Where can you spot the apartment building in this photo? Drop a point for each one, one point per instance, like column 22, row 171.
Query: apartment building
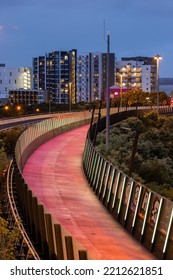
column 92, row 75
column 83, row 78
column 137, row 72
column 13, row 78
column 27, row 97
column 70, row 77
column 56, row 73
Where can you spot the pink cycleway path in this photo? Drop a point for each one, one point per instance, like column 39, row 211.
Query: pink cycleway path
column 54, row 173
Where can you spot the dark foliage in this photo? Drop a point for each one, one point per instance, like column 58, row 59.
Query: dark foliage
column 154, row 155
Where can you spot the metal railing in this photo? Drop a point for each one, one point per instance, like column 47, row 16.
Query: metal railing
column 110, row 185
column 145, row 214
column 15, row 219
column 53, row 241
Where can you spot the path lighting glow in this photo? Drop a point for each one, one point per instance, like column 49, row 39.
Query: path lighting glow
column 18, row 108
column 6, row 108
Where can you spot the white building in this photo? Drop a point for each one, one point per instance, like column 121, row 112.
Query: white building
column 13, row 78
column 137, row 72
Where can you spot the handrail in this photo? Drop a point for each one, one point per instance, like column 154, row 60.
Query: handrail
column 15, row 213
column 41, row 132
column 144, row 213
column 47, row 228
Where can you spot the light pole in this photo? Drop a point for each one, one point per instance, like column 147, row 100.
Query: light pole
column 158, row 58
column 108, row 97
column 69, row 95
column 121, row 85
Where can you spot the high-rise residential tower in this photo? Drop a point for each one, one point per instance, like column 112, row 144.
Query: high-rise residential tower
column 56, row 73
column 92, row 75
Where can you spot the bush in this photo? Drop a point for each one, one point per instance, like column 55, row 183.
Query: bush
column 3, row 163
column 8, row 240
column 154, row 155
column 10, row 138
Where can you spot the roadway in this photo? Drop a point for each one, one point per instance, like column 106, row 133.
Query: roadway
column 9, row 123
column 54, row 173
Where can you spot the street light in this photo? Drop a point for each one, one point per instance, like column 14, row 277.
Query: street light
column 69, row 95
column 6, row 108
column 158, row 58
column 108, row 96
column 121, row 85
column 18, row 108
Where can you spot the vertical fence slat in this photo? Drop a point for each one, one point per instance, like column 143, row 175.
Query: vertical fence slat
column 58, row 239
column 69, row 247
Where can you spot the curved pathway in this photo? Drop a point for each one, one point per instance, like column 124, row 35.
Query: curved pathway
column 54, row 173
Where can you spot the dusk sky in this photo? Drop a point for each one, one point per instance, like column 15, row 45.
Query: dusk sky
column 137, row 28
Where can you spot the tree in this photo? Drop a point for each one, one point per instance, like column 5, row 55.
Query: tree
column 8, row 240
column 153, row 162
column 156, row 170
column 10, row 139
column 3, row 163
column 138, row 97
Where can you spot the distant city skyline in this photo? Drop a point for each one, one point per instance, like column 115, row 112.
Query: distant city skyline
column 137, row 28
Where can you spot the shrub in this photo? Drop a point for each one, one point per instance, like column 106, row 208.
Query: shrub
column 8, row 240
column 154, row 155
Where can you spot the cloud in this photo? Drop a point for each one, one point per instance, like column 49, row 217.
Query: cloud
column 8, row 28
column 14, row 27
